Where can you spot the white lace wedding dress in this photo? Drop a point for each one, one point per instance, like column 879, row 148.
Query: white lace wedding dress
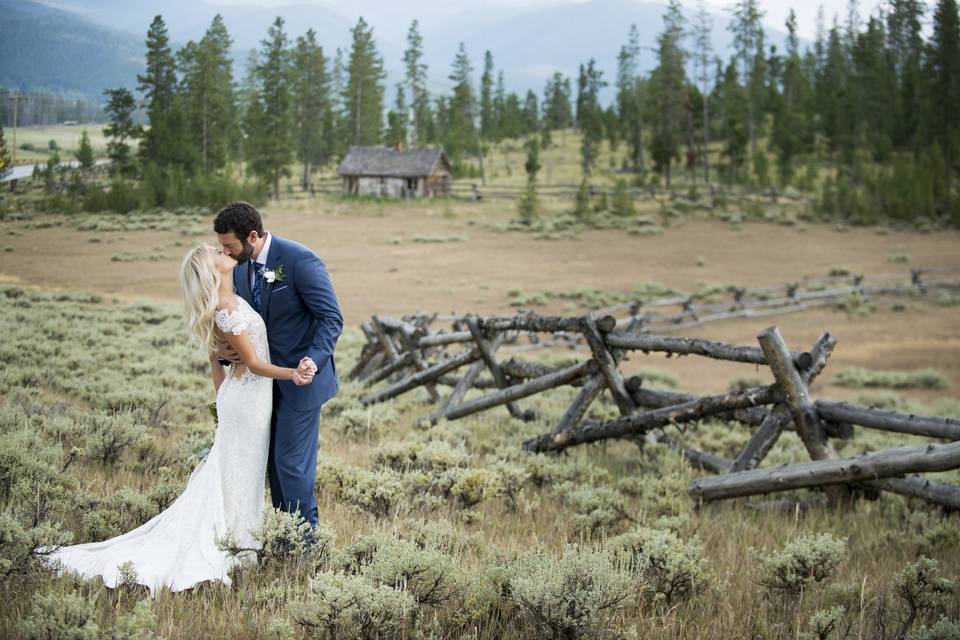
column 224, row 494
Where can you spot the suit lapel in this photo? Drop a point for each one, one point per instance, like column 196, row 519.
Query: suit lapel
column 272, row 261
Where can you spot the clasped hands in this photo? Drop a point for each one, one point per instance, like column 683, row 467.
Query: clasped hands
column 302, row 375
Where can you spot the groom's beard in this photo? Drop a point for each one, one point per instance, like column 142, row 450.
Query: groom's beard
column 246, row 254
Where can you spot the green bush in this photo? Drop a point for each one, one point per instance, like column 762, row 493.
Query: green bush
column 339, row 605
column 922, row 589
column 427, row 574
column 804, row 561
column 139, row 624
column 61, row 616
column 824, row 622
column 672, row 569
column 574, row 596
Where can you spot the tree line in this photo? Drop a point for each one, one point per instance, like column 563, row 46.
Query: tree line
column 866, row 115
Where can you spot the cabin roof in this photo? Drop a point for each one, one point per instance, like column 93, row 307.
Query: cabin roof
column 383, row 161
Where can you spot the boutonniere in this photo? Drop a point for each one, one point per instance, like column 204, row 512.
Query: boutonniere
column 274, row 275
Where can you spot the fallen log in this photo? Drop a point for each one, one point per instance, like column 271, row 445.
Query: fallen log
column 421, row 377
column 546, row 324
column 640, row 423
column 699, row 347
column 389, row 369
column 872, row 418
column 888, row 463
column 516, row 392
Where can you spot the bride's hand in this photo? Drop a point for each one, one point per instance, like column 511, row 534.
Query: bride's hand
column 306, row 364
column 303, row 374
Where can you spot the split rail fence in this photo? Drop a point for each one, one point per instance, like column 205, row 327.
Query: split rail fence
column 403, row 355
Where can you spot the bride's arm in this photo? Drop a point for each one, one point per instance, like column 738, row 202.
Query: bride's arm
column 248, row 355
column 216, row 371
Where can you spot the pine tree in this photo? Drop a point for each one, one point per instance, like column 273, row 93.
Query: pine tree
column 121, row 128
column 629, row 99
column 943, row 88
column 460, row 136
column 702, row 32
column 270, row 114
column 363, row 94
column 748, row 43
column 556, row 103
column 531, row 112
column 589, row 114
column 668, row 92
column 396, row 134
column 528, row 204
column 786, row 136
column 416, row 76
column 311, row 105
column 487, row 115
column 84, row 153
column 906, row 48
column 167, row 142
column 208, row 95
column 6, row 163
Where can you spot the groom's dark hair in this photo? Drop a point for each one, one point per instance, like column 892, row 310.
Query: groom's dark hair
column 240, row 218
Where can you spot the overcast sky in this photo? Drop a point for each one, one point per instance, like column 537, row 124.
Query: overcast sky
column 775, row 11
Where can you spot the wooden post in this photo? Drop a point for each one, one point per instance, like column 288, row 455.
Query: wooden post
column 796, row 396
column 469, row 378
column 414, row 352
column 780, row 416
column 871, row 466
column 608, row 365
column 489, row 357
column 575, row 412
column 385, row 339
column 516, row 392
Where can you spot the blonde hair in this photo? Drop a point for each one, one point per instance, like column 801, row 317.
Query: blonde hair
column 199, row 286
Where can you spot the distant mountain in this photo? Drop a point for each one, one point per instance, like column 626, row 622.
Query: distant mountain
column 46, row 48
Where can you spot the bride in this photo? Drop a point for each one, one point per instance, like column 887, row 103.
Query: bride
column 225, row 493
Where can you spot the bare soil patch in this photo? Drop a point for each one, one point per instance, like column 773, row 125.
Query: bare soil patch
column 395, row 258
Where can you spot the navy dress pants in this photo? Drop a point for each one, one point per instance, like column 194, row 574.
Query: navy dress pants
column 292, row 464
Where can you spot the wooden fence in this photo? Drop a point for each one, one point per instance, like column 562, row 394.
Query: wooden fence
column 402, row 355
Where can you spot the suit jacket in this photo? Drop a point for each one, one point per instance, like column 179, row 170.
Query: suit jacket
column 302, row 318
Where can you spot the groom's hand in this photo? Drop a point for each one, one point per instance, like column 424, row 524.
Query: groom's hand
column 225, row 352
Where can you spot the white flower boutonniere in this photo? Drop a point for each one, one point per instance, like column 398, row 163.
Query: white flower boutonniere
column 274, row 275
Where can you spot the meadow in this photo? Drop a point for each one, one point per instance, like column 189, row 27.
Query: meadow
column 453, row 531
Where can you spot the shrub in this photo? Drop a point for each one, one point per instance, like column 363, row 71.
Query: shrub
column 347, row 606
column 944, row 629
column 672, row 568
column 22, row 548
column 922, row 589
column 65, row 616
column 804, row 561
column 824, row 622
column 596, row 508
column 282, row 535
column 574, row 596
column 110, row 436
column 139, row 624
column 427, row 574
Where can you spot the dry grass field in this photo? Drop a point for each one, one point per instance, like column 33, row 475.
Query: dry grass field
column 482, row 502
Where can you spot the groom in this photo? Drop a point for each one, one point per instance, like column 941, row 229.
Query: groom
column 289, row 286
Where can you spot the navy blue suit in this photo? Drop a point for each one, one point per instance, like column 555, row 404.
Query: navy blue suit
column 303, row 319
